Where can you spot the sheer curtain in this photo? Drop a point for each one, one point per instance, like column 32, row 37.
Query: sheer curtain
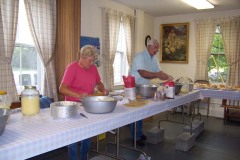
column 42, row 20
column 204, row 32
column 230, row 28
column 111, row 25
column 8, row 29
column 129, row 28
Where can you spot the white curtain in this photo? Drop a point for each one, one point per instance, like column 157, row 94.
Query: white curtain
column 230, row 28
column 42, row 20
column 111, row 26
column 129, row 28
column 8, row 29
column 204, row 32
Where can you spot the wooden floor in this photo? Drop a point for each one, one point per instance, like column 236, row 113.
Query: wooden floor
column 218, row 141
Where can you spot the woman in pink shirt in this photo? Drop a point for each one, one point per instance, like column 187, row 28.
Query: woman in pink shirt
column 79, row 80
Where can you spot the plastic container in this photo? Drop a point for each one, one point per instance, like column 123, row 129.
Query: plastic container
column 30, row 101
column 169, row 89
column 5, row 100
column 185, row 84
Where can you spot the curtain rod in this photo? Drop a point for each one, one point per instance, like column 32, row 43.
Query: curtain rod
column 217, row 18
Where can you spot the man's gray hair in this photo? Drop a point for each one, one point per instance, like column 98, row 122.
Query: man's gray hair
column 152, row 42
column 88, row 51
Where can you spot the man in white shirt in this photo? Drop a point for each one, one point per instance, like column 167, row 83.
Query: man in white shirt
column 144, row 68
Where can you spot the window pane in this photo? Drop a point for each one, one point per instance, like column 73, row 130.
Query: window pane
column 16, row 58
column 26, row 66
column 117, row 68
column 217, row 44
column 218, row 68
column 217, row 64
column 120, row 64
column 29, row 58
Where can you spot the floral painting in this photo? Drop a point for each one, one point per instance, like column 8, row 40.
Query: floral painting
column 174, row 43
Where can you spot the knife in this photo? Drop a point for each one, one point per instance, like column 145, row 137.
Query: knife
column 83, row 115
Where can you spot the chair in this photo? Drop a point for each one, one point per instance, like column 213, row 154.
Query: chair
column 205, row 100
column 231, row 110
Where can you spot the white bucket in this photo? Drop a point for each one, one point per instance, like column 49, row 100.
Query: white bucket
column 130, row 93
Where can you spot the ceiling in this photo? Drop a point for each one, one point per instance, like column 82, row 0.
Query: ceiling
column 158, row 8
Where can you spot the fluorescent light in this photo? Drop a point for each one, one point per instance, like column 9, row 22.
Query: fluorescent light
column 199, row 4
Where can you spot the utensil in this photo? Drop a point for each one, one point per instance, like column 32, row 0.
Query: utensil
column 147, row 90
column 4, row 114
column 162, row 95
column 99, row 104
column 83, row 115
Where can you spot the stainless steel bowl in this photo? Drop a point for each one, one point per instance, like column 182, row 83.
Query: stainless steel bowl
column 146, row 91
column 99, row 104
column 64, row 109
column 4, row 114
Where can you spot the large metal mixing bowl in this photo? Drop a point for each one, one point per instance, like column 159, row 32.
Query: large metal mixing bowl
column 4, row 114
column 146, row 91
column 99, row 104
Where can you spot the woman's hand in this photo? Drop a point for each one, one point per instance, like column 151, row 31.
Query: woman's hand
column 83, row 95
column 105, row 92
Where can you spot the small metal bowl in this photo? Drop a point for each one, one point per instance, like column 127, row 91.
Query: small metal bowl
column 146, row 91
column 64, row 109
column 99, row 104
column 4, row 114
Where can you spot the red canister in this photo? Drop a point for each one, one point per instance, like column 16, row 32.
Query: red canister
column 169, row 89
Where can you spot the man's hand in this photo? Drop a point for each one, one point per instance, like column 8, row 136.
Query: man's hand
column 170, row 77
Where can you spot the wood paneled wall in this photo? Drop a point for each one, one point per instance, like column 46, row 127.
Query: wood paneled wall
column 68, row 35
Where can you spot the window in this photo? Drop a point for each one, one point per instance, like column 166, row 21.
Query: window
column 26, row 63
column 217, row 64
column 120, row 64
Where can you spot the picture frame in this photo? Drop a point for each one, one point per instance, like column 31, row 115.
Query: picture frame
column 174, row 43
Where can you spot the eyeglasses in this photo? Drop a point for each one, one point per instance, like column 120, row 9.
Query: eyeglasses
column 156, row 49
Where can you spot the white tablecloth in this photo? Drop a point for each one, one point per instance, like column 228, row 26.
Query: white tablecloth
column 25, row 137
column 220, row 94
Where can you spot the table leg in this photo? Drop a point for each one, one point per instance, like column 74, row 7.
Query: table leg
column 135, row 135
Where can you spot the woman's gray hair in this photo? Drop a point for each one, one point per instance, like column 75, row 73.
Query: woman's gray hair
column 88, row 51
column 152, row 42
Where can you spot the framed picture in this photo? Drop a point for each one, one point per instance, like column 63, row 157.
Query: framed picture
column 174, row 39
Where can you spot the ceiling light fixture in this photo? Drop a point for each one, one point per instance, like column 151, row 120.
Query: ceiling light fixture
column 199, row 4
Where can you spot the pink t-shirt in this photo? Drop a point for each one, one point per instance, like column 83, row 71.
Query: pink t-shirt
column 80, row 80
